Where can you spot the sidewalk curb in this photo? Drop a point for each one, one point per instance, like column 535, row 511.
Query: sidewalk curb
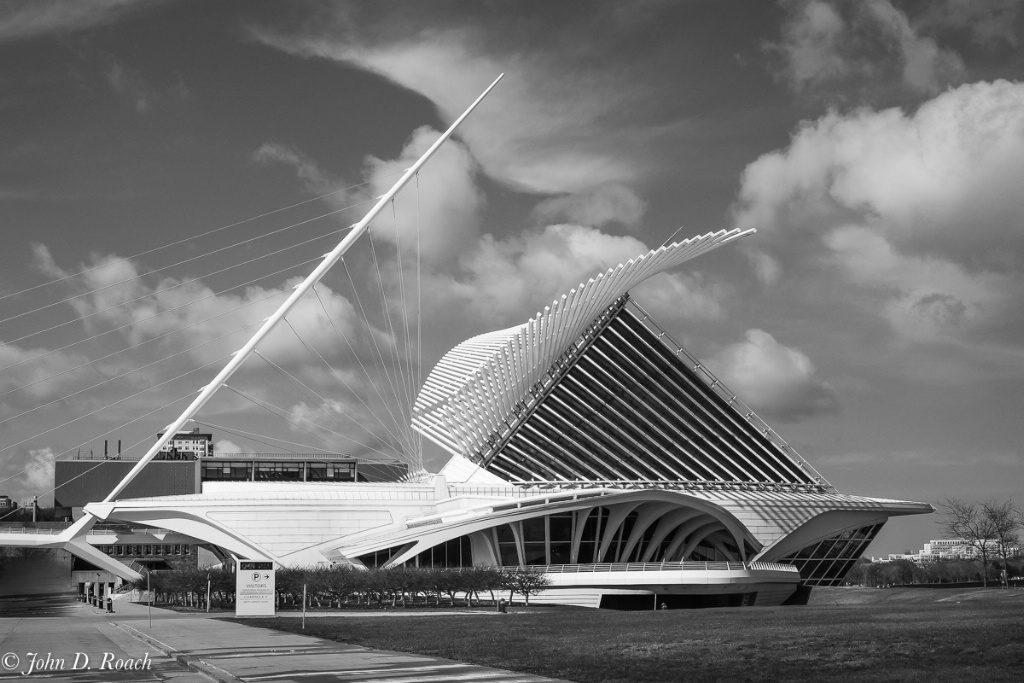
column 189, row 662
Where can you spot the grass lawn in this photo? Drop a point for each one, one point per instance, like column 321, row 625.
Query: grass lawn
column 846, row 634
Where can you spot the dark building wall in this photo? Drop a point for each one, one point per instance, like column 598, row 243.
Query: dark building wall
column 376, row 472
column 80, row 482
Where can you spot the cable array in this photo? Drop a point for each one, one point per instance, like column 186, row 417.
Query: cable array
column 102, row 359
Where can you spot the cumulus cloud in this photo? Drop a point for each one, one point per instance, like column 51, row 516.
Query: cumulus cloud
column 489, row 279
column 112, row 295
column 443, row 205
column 27, row 472
column 826, row 43
column 439, row 211
column 773, row 379
column 35, row 375
column 507, row 280
column 924, row 208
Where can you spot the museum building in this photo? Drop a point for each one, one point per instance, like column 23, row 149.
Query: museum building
column 584, row 443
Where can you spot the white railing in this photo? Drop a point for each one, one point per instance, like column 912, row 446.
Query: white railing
column 30, row 531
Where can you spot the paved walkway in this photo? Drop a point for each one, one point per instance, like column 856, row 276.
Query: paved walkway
column 230, row 652
column 63, row 641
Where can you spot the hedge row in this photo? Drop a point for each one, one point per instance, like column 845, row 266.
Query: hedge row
column 336, row 586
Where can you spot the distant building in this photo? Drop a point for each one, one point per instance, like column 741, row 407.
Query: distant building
column 86, row 479
column 187, row 445
column 7, row 504
column 944, row 549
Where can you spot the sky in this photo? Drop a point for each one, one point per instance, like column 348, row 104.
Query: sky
column 170, row 169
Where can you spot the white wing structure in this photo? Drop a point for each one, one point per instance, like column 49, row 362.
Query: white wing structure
column 468, row 397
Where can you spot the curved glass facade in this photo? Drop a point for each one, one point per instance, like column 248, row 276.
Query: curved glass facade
column 827, row 562
column 647, row 532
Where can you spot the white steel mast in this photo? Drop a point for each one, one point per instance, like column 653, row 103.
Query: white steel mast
column 328, row 261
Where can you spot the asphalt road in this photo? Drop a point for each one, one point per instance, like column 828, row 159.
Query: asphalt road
column 59, row 640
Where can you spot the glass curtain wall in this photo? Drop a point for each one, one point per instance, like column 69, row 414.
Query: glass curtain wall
column 827, row 562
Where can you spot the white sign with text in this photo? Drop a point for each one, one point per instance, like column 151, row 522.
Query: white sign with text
column 254, row 589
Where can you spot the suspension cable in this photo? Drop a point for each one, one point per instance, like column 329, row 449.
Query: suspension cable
column 110, row 405
column 168, row 288
column 157, row 315
column 196, row 237
column 311, row 350
column 323, row 400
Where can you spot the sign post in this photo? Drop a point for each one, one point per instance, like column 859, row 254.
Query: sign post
column 254, row 589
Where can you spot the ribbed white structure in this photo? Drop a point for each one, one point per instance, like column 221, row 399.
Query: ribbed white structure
column 476, row 386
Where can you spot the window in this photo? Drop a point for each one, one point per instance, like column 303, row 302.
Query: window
column 560, row 536
column 591, row 538
column 507, row 549
column 827, row 562
column 534, row 544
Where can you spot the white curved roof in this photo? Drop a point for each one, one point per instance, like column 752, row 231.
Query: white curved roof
column 476, row 386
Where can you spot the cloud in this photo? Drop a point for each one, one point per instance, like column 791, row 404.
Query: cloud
column 991, row 23
column 26, row 473
column 359, row 425
column 927, row 68
column 832, row 47
column 20, row 21
column 25, row 376
column 443, row 206
column 225, row 447
column 566, row 119
column 682, row 297
column 439, row 211
column 811, row 44
column 604, row 205
column 538, row 149
column 916, row 209
column 486, row 281
column 772, row 378
column 504, row 281
column 924, row 298
column 307, row 170
column 112, row 295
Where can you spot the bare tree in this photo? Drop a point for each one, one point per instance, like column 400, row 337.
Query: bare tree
column 1005, row 520
column 969, row 522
